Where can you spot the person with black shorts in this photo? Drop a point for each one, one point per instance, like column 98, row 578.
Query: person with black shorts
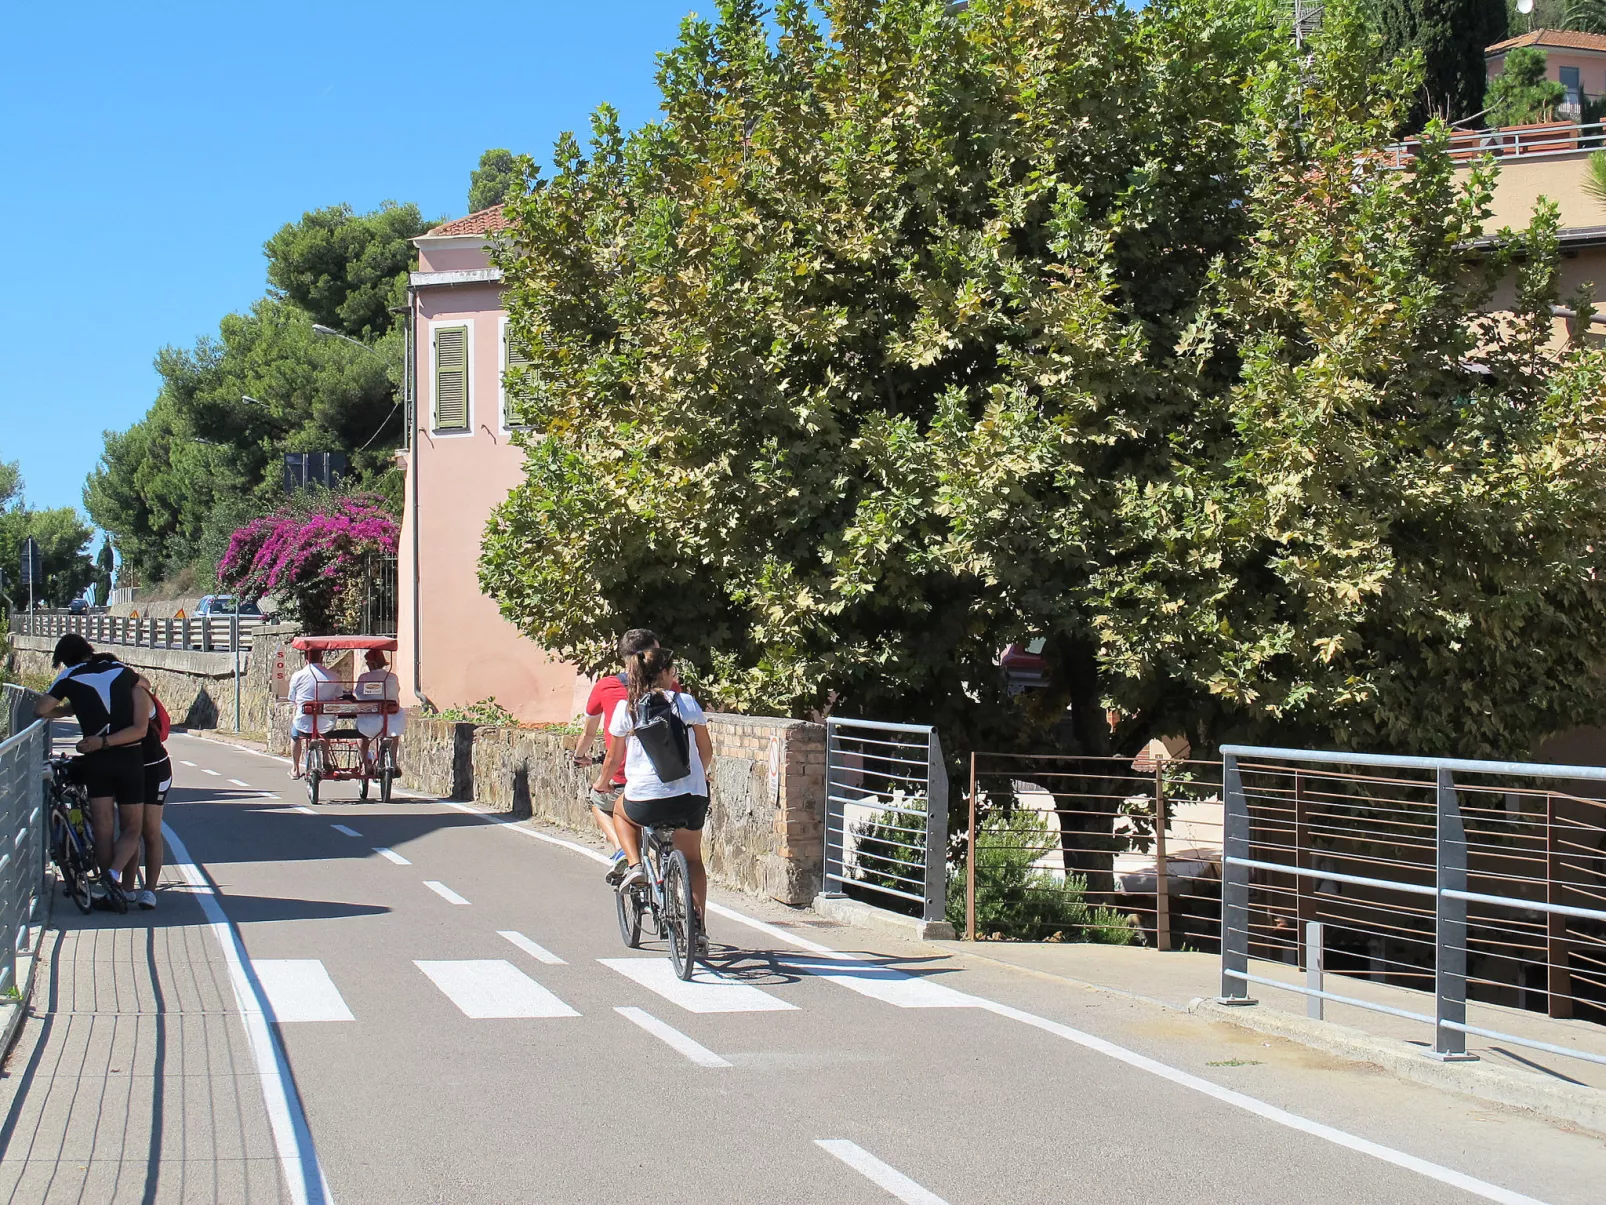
column 158, row 780
column 648, row 800
column 113, row 716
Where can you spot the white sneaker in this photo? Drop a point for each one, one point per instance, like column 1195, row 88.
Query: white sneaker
column 145, row 898
column 632, row 876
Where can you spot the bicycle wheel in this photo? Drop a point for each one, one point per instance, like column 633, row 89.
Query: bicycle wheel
column 387, row 771
column 312, row 787
column 314, row 768
column 75, row 874
column 628, row 905
column 362, row 789
column 680, row 915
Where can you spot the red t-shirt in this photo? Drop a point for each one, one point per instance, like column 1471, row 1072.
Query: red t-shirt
column 606, row 695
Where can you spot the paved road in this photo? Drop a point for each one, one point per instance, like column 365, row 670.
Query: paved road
column 417, row 1003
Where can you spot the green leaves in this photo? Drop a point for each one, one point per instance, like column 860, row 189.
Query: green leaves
column 890, row 347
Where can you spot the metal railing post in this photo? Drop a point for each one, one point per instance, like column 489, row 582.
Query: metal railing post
column 1558, row 972
column 832, row 811
column 184, row 633
column 1162, row 873
column 1450, row 927
column 1315, row 958
column 234, row 642
column 970, row 859
column 936, row 893
column 1234, row 886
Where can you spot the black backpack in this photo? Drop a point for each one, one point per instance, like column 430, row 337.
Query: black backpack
column 663, row 735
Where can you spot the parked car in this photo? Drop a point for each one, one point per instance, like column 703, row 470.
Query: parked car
column 224, row 604
column 78, row 606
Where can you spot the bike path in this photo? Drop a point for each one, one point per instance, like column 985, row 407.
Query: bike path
column 415, row 1099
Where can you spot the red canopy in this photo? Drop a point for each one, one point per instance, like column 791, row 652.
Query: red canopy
column 383, row 643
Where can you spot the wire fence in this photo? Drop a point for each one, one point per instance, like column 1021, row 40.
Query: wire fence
column 1106, row 849
column 22, row 839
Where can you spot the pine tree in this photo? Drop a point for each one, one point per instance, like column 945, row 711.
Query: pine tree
column 1452, row 36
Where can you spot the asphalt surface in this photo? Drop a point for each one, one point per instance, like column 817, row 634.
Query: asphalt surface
column 351, row 1017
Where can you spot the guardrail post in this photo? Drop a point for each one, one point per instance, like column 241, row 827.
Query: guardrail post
column 936, row 893
column 1162, row 873
column 1315, row 959
column 970, row 858
column 1558, row 972
column 1234, row 886
column 206, row 633
column 184, row 632
column 1450, row 928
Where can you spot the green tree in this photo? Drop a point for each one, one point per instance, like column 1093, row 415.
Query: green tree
column 497, row 179
column 1451, row 36
column 63, row 538
column 885, row 348
column 10, row 483
column 344, row 268
column 1521, row 94
column 105, row 570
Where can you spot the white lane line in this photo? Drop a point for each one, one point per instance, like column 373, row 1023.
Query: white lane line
column 299, row 989
column 391, row 855
column 539, row 953
column 445, row 892
column 190, row 764
column 883, row 1175
column 672, row 1037
column 1433, row 1171
column 882, row 983
column 238, row 783
column 213, row 773
column 341, row 828
column 706, row 992
column 304, row 810
column 488, row 988
column 298, row 1158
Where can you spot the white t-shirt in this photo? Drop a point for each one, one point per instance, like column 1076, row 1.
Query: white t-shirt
column 377, row 684
column 641, row 780
column 313, row 683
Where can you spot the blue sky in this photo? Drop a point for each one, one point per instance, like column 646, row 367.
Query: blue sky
column 148, row 150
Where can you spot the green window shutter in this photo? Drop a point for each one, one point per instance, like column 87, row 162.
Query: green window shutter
column 451, row 378
column 514, row 355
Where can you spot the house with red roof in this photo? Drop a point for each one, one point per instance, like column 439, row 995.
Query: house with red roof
column 1576, row 60
column 454, row 647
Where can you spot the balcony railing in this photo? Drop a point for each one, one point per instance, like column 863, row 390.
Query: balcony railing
column 1545, row 139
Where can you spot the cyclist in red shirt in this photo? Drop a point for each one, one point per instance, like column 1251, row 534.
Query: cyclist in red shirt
column 607, row 694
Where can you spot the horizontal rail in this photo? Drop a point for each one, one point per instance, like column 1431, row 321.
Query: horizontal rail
column 1329, row 757
column 1333, row 996
column 878, row 726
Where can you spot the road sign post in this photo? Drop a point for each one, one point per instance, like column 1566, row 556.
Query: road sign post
column 33, row 567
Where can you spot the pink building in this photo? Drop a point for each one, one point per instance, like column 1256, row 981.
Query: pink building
column 1576, row 60
column 455, row 648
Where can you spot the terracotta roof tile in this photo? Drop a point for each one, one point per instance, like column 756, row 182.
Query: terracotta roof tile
column 486, row 221
column 1560, row 39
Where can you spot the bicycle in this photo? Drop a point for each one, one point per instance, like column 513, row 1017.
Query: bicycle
column 664, row 897
column 72, row 838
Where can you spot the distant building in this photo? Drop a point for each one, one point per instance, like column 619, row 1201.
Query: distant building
column 455, row 649
column 1576, row 60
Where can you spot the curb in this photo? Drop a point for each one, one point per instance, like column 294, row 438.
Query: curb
column 16, row 1011
column 866, row 916
column 1579, row 1104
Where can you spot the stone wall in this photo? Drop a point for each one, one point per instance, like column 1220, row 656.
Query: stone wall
column 196, row 688
column 767, row 796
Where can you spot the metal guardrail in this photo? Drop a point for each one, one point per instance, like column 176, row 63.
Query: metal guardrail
column 23, row 852
column 886, row 815
column 200, row 633
column 1434, row 873
column 1528, row 142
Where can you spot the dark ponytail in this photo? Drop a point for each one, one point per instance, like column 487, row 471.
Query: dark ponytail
column 645, row 668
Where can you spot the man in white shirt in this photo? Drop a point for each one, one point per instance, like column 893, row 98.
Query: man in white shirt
column 311, row 683
column 378, row 684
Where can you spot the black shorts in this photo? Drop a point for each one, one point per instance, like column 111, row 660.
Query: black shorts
column 158, row 779
column 115, row 773
column 683, row 811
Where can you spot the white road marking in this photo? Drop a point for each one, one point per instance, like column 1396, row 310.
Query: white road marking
column 341, row 828
column 187, row 763
column 672, row 1037
column 298, row 1158
column 881, row 1174
column 238, row 783
column 299, row 989
column 391, row 855
column 445, row 892
column 539, row 953
column 882, row 983
column 486, row 988
column 1433, row 1171
column 705, row 992
column 213, row 773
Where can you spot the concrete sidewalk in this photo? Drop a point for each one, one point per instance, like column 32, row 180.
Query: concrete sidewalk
column 1571, row 1088
column 132, row 1080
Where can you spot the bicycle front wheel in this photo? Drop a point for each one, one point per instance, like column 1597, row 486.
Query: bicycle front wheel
column 629, row 908
column 680, row 915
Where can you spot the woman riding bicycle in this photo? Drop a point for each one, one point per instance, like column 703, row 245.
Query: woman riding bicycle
column 648, row 799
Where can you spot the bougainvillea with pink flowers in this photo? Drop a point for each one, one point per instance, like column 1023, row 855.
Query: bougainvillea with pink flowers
column 315, row 560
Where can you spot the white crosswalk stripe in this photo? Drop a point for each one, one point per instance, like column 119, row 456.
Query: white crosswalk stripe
column 487, row 988
column 706, row 992
column 299, row 989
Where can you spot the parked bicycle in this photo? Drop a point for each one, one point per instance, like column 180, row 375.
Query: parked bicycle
column 664, row 899
column 72, row 837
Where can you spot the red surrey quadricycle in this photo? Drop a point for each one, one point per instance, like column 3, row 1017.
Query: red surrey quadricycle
column 354, row 724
